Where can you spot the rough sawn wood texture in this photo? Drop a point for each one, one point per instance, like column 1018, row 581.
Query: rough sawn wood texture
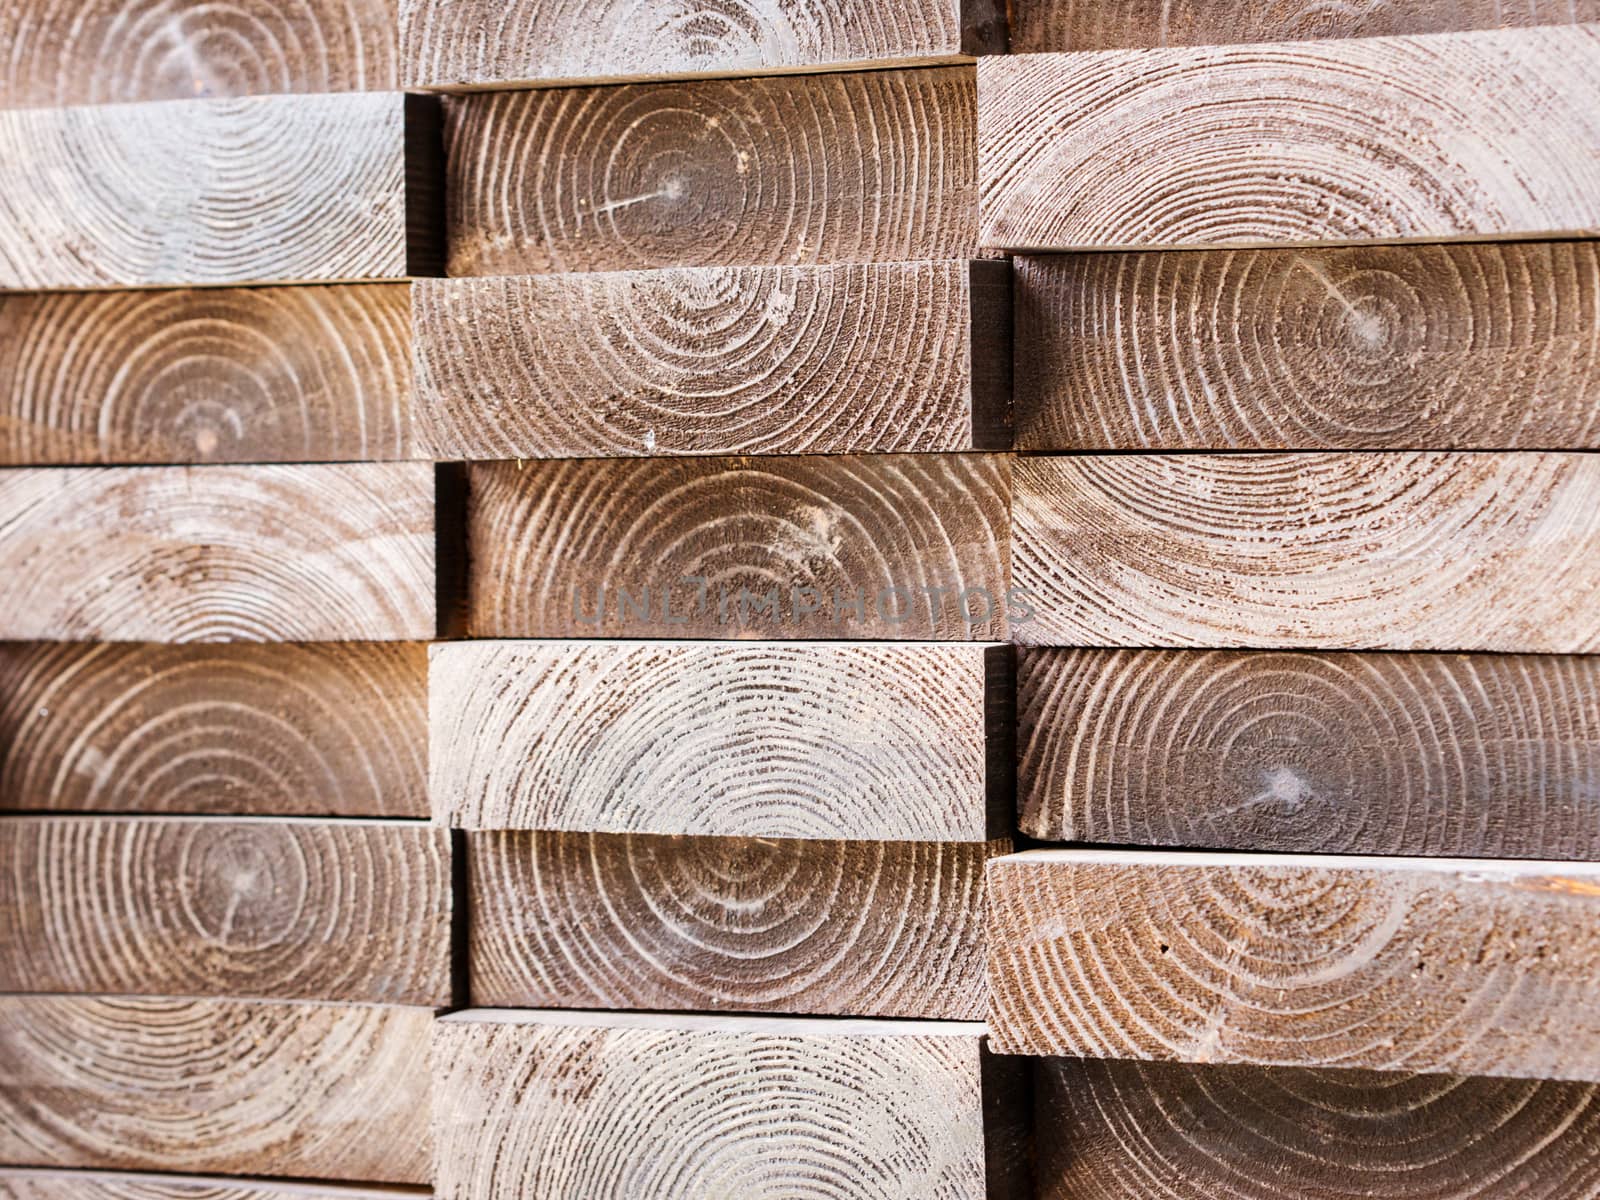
column 1452, row 135
column 1456, row 966
column 885, row 742
column 863, row 358
column 1476, row 756
column 604, row 921
column 477, row 43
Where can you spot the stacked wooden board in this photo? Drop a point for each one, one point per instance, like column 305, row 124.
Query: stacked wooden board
column 529, row 665
column 1301, row 424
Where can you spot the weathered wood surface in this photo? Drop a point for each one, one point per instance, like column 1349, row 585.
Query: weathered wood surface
column 568, row 1106
column 336, row 729
column 1402, row 551
column 1459, row 347
column 605, row 921
column 1456, row 966
column 889, row 742
column 330, row 1091
column 62, row 52
column 875, row 165
column 300, row 374
column 1478, row 756
column 24, row 1183
column 859, row 358
column 1050, row 25
column 478, row 43
column 220, row 553
column 257, row 190
column 1110, row 1130
column 904, row 547
column 353, row 911
column 1493, row 135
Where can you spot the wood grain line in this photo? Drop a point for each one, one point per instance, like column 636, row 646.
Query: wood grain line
column 863, row 358
column 877, row 929
column 860, row 167
column 1108, row 1130
column 888, row 742
column 1481, row 756
column 1454, row 966
column 166, row 906
column 303, row 374
column 568, row 1107
column 1460, row 347
column 332, row 1091
column 814, row 535
column 540, row 43
column 64, row 52
column 1451, row 135
column 218, row 553
column 336, row 729
column 1052, row 25
column 265, row 189
column 27, row 1184
column 1400, row 551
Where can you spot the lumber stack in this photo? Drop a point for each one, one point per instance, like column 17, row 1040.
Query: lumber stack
column 1326, row 923
column 227, row 922
column 622, row 601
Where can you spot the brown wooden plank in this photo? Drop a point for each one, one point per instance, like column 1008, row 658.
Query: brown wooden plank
column 905, row 547
column 1456, row 966
column 539, row 43
column 887, row 742
column 859, row 167
column 1106, row 1129
column 121, row 51
column 1402, row 551
column 26, row 1183
column 353, row 911
column 336, row 729
column 332, row 1091
column 606, row 921
column 303, row 374
column 263, row 189
column 1459, row 347
column 209, row 554
column 567, row 1106
column 858, row 358
column 1286, row 143
column 1048, row 25
column 1481, row 756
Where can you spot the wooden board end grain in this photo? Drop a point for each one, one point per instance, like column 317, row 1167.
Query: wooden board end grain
column 25, row 1183
column 862, row 358
column 605, row 921
column 1475, row 756
column 542, row 43
column 1105, row 1129
column 265, row 189
column 885, row 742
column 1043, row 26
column 334, row 729
column 569, row 1106
column 1492, row 135
column 799, row 170
column 126, row 51
column 356, row 911
column 302, row 374
column 910, row 547
column 218, row 553
column 316, row 1091
column 1453, row 347
column 1397, row 551
column 1455, row 966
